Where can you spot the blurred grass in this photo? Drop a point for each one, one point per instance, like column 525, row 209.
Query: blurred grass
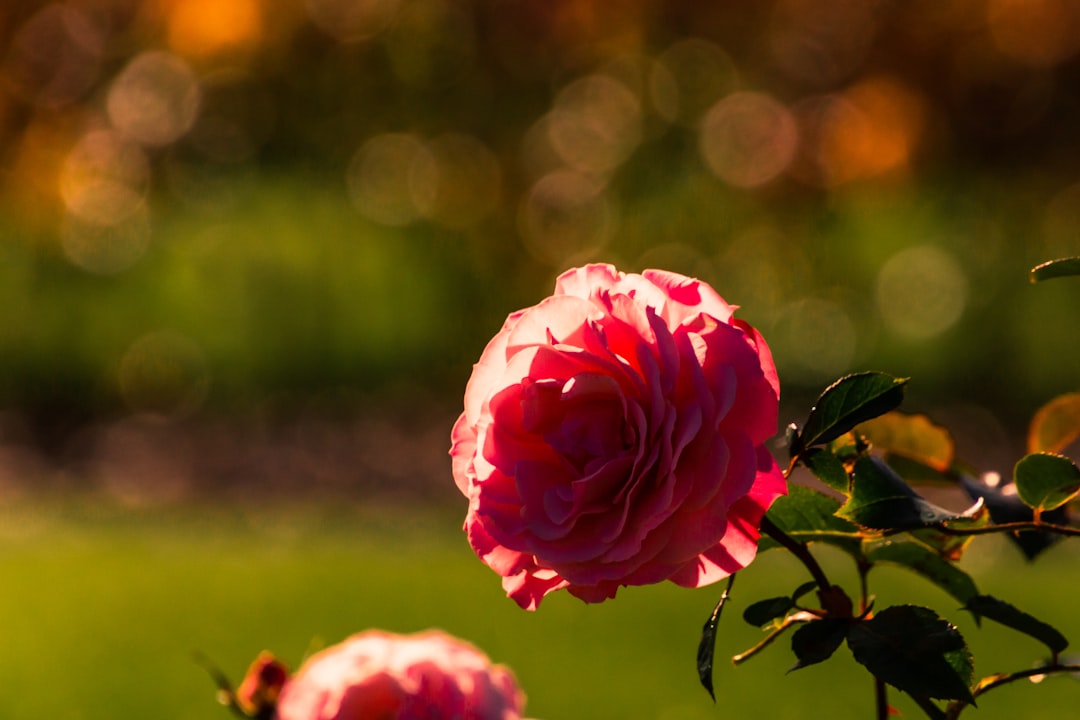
column 105, row 607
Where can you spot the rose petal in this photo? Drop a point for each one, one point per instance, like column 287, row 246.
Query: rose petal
column 462, row 451
column 738, row 546
column 583, row 282
column 687, row 297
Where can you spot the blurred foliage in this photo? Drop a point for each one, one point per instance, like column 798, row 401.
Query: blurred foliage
column 206, row 202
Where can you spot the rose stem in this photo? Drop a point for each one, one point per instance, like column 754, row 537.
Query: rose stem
column 881, row 695
column 797, row 549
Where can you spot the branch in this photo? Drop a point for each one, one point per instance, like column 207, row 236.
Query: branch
column 1010, row 527
column 992, row 681
column 881, row 699
column 793, row 619
column 927, row 706
column 797, row 549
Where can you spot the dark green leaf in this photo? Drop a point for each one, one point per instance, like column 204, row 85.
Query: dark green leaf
column 1045, row 481
column 707, row 647
column 849, row 401
column 915, row 651
column 765, row 611
column 816, row 641
column 807, row 515
column 929, row 564
column 803, row 589
column 827, row 468
column 881, row 500
column 1008, row 615
column 1062, row 267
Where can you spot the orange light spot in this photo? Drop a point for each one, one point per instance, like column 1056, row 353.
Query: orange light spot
column 198, row 28
column 872, row 128
column 32, row 184
column 1035, row 32
column 894, row 119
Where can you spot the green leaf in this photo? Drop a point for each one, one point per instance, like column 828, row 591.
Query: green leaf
column 1055, row 425
column 927, row 563
column 707, row 647
column 915, row 651
column 827, row 468
column 1002, row 612
column 913, row 437
column 808, row 516
column 1006, row 507
column 764, row 612
column 1045, row 481
column 816, row 641
column 1062, row 267
column 851, row 400
column 881, row 500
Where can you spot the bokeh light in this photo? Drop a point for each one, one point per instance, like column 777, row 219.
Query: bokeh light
column 155, row 99
column 457, row 182
column 55, row 57
column 566, row 218
column 36, row 163
column 595, row 125
column 537, row 157
column 818, row 338
column 872, row 128
column 689, row 77
column 748, row 139
column 106, row 249
column 199, row 28
column 380, row 177
column 760, row 269
column 104, row 179
column 921, row 292
column 1035, row 32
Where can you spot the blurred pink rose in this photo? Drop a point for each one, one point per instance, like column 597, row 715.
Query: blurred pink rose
column 613, row 435
column 377, row 675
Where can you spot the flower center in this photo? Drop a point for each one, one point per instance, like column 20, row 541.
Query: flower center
column 582, row 418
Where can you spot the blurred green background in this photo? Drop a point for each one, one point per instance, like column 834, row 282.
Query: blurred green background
column 249, row 250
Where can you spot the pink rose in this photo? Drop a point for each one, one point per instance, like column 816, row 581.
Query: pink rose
column 613, row 435
column 377, row 675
